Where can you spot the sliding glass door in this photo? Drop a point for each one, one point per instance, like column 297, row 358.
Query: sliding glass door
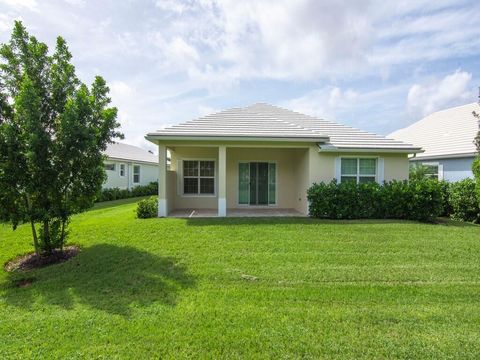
column 257, row 183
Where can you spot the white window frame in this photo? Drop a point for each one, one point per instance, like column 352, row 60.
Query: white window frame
column 214, row 177
column 139, row 174
column 358, row 175
column 120, row 170
column 433, row 163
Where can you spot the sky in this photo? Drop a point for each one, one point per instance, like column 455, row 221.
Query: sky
column 375, row 65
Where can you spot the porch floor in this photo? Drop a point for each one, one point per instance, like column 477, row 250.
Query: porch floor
column 184, row 213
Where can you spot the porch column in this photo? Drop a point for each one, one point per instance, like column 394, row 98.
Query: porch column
column 222, row 181
column 162, row 181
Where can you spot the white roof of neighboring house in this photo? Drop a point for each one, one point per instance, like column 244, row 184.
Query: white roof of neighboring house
column 446, row 133
column 267, row 122
column 119, row 151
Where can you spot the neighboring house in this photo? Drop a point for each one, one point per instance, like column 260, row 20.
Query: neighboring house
column 128, row 166
column 262, row 156
column 447, row 137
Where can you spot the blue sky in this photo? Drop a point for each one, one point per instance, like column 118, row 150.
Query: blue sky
column 376, row 65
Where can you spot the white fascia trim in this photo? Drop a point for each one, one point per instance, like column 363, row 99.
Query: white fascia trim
column 331, row 148
column 438, row 157
column 131, row 160
column 154, row 137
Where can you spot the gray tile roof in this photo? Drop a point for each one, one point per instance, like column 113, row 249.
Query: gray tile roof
column 120, row 151
column 444, row 133
column 265, row 121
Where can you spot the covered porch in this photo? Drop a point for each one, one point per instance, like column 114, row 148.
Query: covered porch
column 233, row 180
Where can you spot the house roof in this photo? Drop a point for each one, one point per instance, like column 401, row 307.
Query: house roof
column 120, row 151
column 264, row 122
column 446, row 133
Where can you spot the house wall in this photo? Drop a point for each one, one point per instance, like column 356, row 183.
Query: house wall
column 454, row 169
column 322, row 165
column 285, row 160
column 297, row 169
column 177, row 154
column 148, row 174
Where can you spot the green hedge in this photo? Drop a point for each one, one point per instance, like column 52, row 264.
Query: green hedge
column 116, row 193
column 414, row 200
column 147, row 208
column 464, row 201
column 476, row 173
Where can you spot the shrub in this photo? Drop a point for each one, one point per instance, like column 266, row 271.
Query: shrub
column 116, row 193
column 415, row 200
column 464, row 201
column 447, row 208
column 476, row 173
column 147, row 208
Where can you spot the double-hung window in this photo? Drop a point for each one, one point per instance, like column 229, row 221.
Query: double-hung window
column 136, row 174
column 431, row 170
column 122, row 170
column 358, row 170
column 198, row 177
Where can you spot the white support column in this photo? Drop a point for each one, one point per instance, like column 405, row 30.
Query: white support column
column 222, row 181
column 162, row 181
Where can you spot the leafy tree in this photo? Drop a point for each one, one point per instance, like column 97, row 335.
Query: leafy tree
column 53, row 130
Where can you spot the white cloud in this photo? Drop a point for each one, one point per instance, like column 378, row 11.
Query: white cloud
column 453, row 89
column 76, row 2
column 31, row 5
column 325, row 102
column 174, row 53
column 379, row 111
column 119, row 90
column 172, row 6
column 293, row 39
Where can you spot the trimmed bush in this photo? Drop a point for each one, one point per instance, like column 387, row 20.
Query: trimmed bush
column 476, row 173
column 447, row 208
column 464, row 201
column 415, row 200
column 147, row 208
column 117, row 194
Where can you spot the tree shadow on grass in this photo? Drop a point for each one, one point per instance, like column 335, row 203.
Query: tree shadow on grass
column 105, row 277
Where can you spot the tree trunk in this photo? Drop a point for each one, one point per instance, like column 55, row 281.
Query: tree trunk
column 35, row 239
column 62, row 238
column 32, row 223
column 46, row 235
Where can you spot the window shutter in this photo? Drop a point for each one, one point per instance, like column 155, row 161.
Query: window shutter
column 179, row 177
column 338, row 169
column 440, row 171
column 381, row 171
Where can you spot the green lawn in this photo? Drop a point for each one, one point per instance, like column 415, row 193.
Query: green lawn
column 173, row 288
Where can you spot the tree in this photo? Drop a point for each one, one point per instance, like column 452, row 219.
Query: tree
column 53, row 130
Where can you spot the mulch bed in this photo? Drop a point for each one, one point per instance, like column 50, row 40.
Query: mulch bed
column 32, row 261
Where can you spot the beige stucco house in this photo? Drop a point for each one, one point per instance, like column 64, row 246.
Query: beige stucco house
column 266, row 157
